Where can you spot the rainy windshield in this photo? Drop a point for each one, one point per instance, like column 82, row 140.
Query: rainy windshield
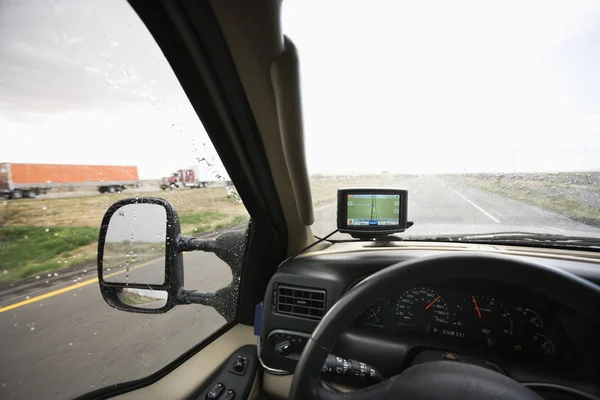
column 91, row 113
column 487, row 113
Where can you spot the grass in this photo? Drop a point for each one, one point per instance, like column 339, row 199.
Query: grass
column 135, row 299
column 26, row 249
column 88, row 211
column 209, row 221
column 31, row 250
column 120, row 255
column 563, row 193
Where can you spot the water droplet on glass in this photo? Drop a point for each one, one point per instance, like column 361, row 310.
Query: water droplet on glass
column 47, row 230
column 32, row 328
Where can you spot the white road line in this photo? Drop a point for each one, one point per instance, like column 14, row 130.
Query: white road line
column 487, row 214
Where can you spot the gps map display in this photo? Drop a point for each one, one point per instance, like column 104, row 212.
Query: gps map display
column 373, row 209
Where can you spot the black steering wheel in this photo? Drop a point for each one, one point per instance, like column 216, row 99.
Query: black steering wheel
column 438, row 379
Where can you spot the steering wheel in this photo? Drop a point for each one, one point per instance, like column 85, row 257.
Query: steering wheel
column 437, row 379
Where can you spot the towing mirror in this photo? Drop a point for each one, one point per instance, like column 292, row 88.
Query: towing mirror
column 139, row 268
column 140, row 260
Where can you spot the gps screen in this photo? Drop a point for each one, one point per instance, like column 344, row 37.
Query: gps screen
column 373, row 209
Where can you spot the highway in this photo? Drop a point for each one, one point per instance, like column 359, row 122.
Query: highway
column 444, row 208
column 62, row 340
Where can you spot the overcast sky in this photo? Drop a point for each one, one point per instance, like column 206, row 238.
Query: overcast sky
column 402, row 86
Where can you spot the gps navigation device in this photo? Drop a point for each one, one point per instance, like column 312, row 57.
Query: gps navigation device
column 372, row 212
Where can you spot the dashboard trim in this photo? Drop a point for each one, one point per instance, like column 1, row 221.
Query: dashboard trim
column 526, row 251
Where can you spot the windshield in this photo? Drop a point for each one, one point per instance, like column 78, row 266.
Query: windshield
column 487, row 113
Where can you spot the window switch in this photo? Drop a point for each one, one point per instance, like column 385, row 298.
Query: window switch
column 230, row 395
column 216, row 391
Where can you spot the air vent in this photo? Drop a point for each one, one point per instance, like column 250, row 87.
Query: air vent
column 308, row 303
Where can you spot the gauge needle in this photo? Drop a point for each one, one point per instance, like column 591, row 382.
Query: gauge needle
column 544, row 344
column 476, row 307
column 432, row 303
column 373, row 311
column 532, row 320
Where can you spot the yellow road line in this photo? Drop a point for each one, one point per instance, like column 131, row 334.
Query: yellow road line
column 66, row 289
column 47, row 295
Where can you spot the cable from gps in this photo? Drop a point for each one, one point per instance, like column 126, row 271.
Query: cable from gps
column 308, row 247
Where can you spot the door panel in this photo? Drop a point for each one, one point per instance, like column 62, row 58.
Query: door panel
column 187, row 379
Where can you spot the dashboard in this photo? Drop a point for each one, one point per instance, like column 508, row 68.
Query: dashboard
column 527, row 336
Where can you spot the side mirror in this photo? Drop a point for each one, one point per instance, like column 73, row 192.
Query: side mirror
column 140, row 260
column 139, row 268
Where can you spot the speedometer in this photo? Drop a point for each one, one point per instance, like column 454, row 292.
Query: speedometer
column 421, row 308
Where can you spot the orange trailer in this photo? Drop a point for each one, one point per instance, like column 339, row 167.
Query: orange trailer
column 30, row 180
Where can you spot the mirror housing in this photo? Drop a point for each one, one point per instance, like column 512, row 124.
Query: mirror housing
column 125, row 287
column 116, row 291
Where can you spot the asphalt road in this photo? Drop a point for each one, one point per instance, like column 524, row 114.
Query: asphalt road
column 70, row 342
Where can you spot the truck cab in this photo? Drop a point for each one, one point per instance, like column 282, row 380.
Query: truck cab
column 416, row 218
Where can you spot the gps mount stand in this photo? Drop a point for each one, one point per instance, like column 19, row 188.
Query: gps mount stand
column 380, row 235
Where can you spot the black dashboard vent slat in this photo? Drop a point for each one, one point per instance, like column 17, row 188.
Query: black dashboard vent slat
column 300, row 302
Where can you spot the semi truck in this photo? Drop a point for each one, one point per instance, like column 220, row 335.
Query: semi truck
column 30, row 180
column 197, row 176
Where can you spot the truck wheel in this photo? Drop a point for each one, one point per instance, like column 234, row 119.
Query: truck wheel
column 16, row 194
column 29, row 194
column 119, row 189
column 111, row 189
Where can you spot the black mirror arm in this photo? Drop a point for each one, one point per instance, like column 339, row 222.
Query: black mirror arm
column 229, row 247
column 220, row 246
column 187, row 296
column 220, row 301
column 188, row 243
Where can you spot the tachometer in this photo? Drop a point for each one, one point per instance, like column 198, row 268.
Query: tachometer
column 421, row 308
column 484, row 315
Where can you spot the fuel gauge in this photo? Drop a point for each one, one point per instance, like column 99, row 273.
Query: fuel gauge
column 373, row 315
column 543, row 344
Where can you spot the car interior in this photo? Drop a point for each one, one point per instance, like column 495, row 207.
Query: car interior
column 375, row 317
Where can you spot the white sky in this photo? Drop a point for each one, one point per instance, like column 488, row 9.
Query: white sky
column 402, row 86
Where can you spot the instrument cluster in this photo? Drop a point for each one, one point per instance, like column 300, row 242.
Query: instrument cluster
column 487, row 319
